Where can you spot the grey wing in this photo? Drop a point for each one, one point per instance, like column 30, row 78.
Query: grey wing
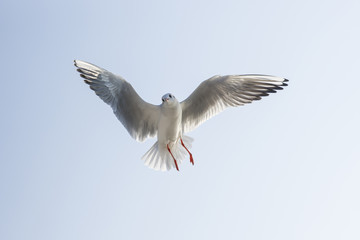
column 138, row 117
column 215, row 94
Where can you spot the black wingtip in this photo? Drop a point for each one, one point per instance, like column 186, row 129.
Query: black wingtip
column 278, row 88
column 81, row 70
column 285, row 82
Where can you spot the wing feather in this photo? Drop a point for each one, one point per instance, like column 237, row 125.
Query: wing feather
column 219, row 92
column 138, row 117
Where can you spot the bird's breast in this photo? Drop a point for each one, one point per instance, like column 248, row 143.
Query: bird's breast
column 169, row 129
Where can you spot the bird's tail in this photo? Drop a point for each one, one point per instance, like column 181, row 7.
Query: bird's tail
column 159, row 158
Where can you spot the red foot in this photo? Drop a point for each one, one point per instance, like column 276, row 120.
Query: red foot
column 177, row 168
column 191, row 157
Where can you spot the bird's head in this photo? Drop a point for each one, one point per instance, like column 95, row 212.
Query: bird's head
column 168, row 99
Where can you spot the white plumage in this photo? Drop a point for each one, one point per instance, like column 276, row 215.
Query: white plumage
column 171, row 119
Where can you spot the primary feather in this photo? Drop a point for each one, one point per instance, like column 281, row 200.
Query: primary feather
column 138, row 117
column 219, row 92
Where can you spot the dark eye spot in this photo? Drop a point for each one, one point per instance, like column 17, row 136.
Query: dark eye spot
column 162, row 100
column 170, row 96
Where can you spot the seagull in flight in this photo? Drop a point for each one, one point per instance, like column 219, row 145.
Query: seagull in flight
column 171, row 119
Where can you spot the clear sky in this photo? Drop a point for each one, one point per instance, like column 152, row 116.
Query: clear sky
column 286, row 167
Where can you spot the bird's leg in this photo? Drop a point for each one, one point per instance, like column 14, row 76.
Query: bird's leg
column 177, row 168
column 191, row 157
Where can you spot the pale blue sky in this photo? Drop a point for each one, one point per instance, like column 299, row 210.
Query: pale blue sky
column 286, row 167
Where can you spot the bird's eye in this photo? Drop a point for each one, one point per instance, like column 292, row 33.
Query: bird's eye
column 170, row 96
column 162, row 100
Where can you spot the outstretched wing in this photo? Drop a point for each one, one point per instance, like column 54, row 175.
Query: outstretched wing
column 215, row 94
column 138, row 117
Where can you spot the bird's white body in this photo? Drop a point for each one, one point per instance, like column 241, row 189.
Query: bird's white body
column 171, row 119
column 169, row 135
column 169, row 129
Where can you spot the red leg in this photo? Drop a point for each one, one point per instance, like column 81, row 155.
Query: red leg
column 177, row 168
column 191, row 157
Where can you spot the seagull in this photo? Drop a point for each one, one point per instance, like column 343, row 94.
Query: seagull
column 171, row 119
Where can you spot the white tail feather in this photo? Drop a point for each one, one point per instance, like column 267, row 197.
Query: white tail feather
column 159, row 158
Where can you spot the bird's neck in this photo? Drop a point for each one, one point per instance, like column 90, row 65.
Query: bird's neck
column 171, row 111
